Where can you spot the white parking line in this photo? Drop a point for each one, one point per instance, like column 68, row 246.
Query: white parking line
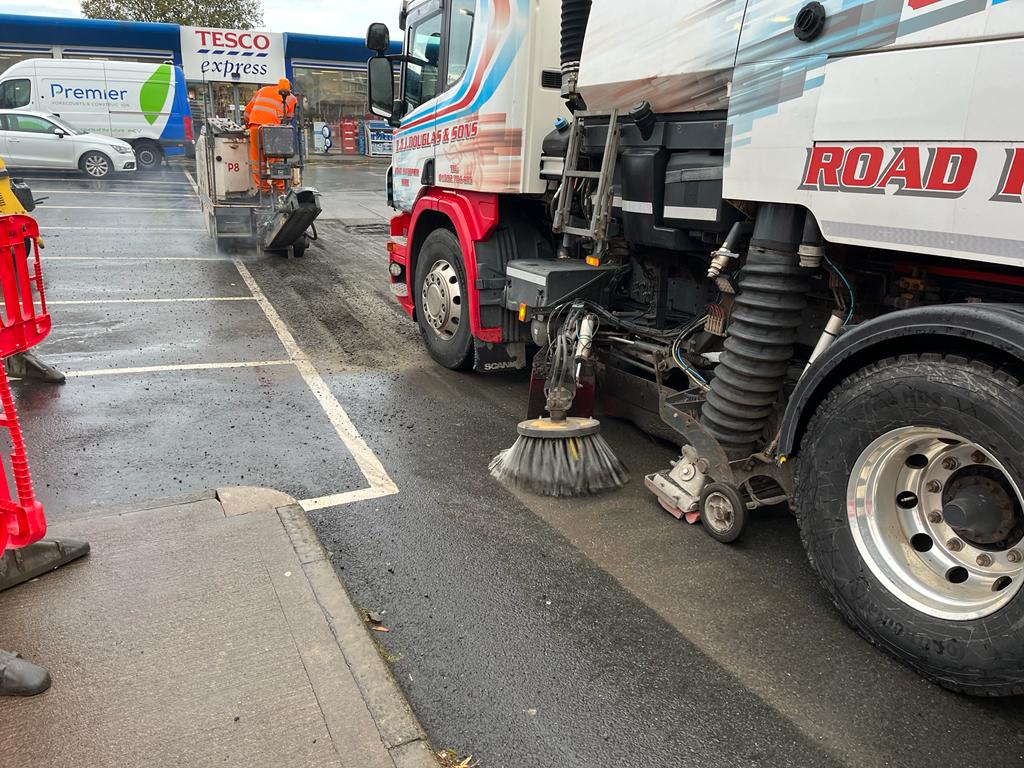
column 373, row 471
column 47, row 228
column 180, row 194
column 181, row 367
column 133, row 182
column 116, row 209
column 68, row 302
column 192, row 181
column 114, row 259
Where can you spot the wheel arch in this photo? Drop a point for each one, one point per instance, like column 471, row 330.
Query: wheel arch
column 472, row 217
column 994, row 332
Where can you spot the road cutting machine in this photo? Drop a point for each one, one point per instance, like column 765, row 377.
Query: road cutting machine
column 254, row 203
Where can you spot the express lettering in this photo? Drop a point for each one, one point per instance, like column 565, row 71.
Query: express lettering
column 942, row 172
column 228, row 68
column 224, row 39
column 60, row 91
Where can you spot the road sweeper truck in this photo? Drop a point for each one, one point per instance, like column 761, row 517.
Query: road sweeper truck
column 794, row 231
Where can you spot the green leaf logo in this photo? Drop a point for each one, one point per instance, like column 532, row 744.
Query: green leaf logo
column 154, row 93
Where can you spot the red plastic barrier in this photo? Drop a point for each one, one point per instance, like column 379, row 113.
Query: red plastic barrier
column 24, row 322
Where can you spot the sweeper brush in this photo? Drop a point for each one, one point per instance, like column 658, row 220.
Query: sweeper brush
column 562, row 455
column 560, row 458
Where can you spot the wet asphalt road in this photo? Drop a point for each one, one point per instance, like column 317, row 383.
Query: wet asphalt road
column 530, row 633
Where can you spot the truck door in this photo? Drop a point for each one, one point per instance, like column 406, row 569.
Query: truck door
column 414, row 151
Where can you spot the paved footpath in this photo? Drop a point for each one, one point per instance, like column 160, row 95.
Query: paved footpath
column 208, row 631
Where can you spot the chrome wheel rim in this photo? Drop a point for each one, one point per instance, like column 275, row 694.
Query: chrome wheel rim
column 441, row 299
column 905, row 508
column 96, row 165
column 718, row 512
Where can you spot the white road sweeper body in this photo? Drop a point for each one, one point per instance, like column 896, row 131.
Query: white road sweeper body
column 795, row 232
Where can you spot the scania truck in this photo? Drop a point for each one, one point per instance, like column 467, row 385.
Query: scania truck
column 799, row 229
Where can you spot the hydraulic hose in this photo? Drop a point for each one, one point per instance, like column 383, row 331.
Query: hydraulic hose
column 757, row 353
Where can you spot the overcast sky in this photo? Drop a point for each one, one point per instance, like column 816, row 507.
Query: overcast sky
column 345, row 18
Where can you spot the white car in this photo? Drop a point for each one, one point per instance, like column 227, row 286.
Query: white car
column 39, row 140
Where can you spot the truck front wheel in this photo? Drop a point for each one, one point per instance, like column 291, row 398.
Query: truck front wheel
column 442, row 308
column 909, row 497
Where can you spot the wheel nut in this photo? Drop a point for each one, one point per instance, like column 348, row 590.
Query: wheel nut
column 1014, row 556
column 950, row 463
column 934, row 517
column 933, row 486
column 978, row 457
column 984, row 560
column 954, row 545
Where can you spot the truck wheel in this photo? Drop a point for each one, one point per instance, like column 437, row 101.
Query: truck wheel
column 441, row 308
column 910, row 507
column 95, row 165
column 148, row 155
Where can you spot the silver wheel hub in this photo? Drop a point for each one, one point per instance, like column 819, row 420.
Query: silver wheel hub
column 95, row 166
column 441, row 299
column 718, row 512
column 937, row 519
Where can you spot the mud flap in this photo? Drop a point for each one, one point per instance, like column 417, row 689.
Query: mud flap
column 489, row 358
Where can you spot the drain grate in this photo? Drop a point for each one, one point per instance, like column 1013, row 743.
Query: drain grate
column 369, row 229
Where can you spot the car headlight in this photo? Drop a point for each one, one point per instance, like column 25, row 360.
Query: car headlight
column 122, row 150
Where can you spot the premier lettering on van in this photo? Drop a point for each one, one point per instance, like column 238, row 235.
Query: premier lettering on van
column 64, row 93
column 233, row 55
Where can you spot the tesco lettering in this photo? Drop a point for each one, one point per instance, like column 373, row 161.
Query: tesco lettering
column 59, row 91
column 223, row 39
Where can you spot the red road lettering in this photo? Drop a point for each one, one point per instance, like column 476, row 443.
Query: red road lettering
column 1011, row 182
column 961, row 159
column 904, row 169
column 823, row 166
column 871, row 159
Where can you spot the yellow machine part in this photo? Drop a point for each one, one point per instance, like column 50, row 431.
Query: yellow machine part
column 9, row 203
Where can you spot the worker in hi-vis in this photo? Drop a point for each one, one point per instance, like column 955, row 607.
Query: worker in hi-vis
column 270, row 105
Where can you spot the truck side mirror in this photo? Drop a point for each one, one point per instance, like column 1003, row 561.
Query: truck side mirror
column 378, row 38
column 381, row 86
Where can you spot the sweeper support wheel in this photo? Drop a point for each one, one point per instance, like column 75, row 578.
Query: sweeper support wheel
column 722, row 512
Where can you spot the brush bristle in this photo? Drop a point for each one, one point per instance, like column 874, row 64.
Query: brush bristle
column 570, row 466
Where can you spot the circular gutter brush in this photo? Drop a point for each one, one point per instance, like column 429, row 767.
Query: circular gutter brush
column 560, row 457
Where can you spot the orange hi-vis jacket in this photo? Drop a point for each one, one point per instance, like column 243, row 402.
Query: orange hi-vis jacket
column 265, row 107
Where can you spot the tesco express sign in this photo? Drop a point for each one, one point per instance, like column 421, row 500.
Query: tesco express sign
column 232, row 55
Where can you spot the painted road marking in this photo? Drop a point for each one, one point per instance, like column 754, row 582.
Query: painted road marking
column 117, row 209
column 181, row 194
column 181, row 367
column 48, row 228
column 67, row 302
column 380, row 483
column 192, row 181
column 111, row 259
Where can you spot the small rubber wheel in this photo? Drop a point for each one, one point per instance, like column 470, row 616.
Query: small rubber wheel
column 723, row 512
column 148, row 155
column 95, row 164
column 442, row 309
column 299, row 247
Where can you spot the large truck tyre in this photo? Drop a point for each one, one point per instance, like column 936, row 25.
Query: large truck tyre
column 442, row 307
column 909, row 503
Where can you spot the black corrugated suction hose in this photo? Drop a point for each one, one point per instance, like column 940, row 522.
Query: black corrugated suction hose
column 757, row 353
column 575, row 14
